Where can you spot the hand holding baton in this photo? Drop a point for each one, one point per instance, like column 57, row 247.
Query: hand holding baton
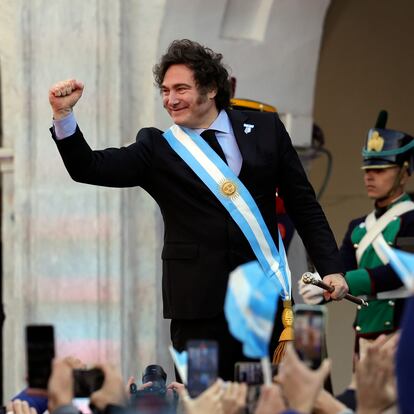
column 308, row 278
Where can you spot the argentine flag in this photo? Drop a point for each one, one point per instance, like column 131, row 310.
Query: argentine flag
column 250, row 308
column 181, row 362
column 403, row 264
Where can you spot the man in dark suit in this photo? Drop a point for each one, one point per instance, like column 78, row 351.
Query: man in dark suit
column 202, row 243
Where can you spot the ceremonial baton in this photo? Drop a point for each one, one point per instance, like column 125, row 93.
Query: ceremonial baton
column 308, row 278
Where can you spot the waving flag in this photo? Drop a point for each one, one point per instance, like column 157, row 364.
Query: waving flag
column 402, row 263
column 181, row 362
column 250, row 307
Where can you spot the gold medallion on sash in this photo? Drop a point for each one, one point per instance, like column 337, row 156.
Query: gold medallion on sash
column 228, row 188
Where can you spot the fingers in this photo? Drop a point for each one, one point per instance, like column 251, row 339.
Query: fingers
column 131, row 380
column 391, row 344
column 74, row 363
column 175, row 386
column 270, row 400
column 17, row 406
column 235, row 392
column 216, row 389
column 20, row 407
column 290, row 354
column 339, row 292
column 145, row 385
column 184, row 396
column 339, row 284
column 271, row 392
column 60, row 386
column 65, row 88
column 324, row 369
column 241, row 394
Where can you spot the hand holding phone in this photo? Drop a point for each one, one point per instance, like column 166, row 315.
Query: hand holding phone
column 112, row 391
column 309, row 331
column 251, row 373
column 60, row 387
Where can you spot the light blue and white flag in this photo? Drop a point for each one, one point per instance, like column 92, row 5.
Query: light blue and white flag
column 181, row 362
column 402, row 263
column 250, row 308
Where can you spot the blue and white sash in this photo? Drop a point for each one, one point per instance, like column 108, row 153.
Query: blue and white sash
column 235, row 197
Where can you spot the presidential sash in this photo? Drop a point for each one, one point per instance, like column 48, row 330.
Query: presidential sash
column 235, row 197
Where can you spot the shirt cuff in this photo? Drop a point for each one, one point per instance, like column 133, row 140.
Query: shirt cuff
column 65, row 127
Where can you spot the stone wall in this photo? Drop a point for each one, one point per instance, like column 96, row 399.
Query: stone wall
column 87, row 259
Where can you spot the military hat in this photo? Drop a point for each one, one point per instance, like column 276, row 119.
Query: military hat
column 240, row 103
column 385, row 148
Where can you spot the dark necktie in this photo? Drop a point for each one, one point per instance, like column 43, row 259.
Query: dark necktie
column 210, row 137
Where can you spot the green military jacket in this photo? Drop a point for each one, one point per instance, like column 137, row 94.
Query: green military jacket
column 378, row 317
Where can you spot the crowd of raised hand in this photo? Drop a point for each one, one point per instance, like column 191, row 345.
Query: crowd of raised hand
column 295, row 389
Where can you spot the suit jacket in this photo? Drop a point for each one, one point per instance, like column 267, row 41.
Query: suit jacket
column 202, row 244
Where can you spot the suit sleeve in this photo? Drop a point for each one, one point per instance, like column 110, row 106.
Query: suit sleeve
column 347, row 249
column 111, row 167
column 304, row 209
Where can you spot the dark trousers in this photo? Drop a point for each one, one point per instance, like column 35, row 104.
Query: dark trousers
column 230, row 349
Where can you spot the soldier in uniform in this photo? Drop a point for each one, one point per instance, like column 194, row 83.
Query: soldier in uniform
column 387, row 165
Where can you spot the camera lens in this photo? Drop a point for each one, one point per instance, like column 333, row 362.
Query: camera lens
column 155, row 374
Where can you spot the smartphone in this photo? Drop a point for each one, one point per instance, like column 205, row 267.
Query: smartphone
column 86, row 381
column 202, row 365
column 309, row 331
column 251, row 373
column 40, row 351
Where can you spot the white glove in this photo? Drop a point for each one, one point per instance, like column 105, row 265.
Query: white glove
column 311, row 294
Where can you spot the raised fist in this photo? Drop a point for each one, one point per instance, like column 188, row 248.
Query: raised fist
column 63, row 97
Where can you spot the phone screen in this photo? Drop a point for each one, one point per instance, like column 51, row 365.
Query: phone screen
column 40, row 351
column 251, row 373
column 202, row 365
column 309, row 327
column 87, row 381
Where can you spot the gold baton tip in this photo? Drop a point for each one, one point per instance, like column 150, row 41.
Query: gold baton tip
column 307, row 278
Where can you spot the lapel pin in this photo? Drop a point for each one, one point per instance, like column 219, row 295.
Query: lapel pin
column 248, row 128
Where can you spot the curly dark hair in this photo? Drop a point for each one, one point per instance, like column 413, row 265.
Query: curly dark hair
column 209, row 72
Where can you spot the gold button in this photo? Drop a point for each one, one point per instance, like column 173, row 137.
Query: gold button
column 356, row 245
column 359, row 307
column 387, row 323
column 391, row 303
column 357, row 328
column 228, row 188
